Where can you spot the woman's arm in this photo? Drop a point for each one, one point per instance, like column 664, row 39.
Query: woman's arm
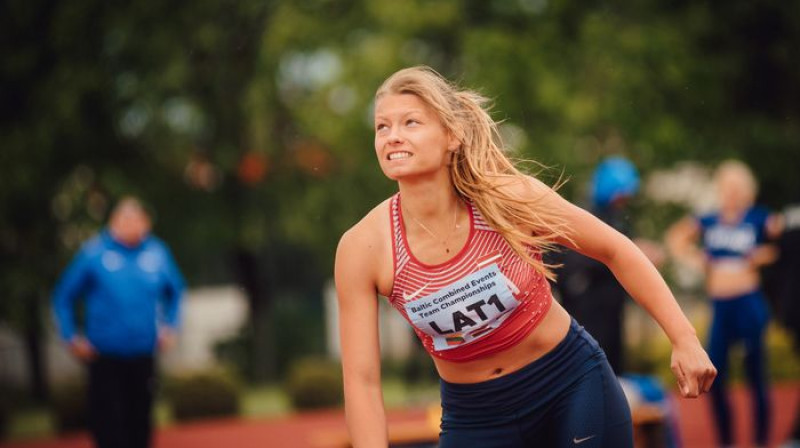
column 593, row 238
column 768, row 253
column 681, row 241
column 358, row 329
column 763, row 255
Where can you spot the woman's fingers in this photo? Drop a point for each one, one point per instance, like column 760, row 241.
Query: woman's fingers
column 683, row 380
column 708, row 379
column 694, row 378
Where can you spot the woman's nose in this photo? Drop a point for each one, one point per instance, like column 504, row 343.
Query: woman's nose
column 394, row 137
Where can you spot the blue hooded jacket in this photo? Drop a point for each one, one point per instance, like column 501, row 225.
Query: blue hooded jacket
column 128, row 293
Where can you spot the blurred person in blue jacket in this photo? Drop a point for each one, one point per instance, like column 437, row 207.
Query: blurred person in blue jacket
column 132, row 290
column 587, row 288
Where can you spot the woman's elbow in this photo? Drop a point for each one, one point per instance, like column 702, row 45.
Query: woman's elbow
column 620, row 253
column 361, row 379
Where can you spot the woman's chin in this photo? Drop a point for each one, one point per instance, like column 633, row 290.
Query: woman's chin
column 398, row 172
column 409, row 173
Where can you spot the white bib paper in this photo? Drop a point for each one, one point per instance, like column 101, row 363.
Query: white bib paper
column 465, row 310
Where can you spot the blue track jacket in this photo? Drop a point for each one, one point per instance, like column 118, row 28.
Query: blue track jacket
column 128, row 293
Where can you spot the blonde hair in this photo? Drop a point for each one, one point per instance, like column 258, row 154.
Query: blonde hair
column 480, row 167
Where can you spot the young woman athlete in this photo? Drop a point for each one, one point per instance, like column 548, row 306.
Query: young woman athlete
column 458, row 252
column 733, row 250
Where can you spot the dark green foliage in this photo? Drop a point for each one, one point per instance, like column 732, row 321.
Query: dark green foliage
column 5, row 416
column 203, row 394
column 12, row 398
column 296, row 329
column 178, row 102
column 315, row 383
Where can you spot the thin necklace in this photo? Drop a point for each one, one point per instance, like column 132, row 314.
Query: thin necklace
column 435, row 236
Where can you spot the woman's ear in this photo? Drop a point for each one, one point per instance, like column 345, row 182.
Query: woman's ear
column 453, row 144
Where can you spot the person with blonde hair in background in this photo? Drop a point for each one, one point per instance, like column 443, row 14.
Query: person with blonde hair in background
column 458, row 253
column 733, row 247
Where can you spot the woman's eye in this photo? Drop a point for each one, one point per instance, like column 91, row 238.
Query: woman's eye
column 412, row 123
column 380, row 127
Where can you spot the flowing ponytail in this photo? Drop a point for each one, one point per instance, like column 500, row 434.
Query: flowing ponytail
column 480, row 168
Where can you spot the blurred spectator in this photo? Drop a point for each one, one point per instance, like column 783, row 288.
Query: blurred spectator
column 785, row 288
column 132, row 291
column 588, row 289
column 733, row 241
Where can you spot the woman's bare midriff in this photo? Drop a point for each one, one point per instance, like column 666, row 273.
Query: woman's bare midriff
column 727, row 282
column 547, row 334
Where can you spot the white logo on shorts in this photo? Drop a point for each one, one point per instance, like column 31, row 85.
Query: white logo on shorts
column 576, row 440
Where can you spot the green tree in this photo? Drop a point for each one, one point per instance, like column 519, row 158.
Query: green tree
column 246, row 125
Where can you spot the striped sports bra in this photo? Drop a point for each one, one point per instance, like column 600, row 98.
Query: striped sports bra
column 482, row 301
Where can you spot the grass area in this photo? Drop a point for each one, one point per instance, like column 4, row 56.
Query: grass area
column 398, row 394
column 30, row 422
column 35, row 422
column 257, row 402
column 265, row 401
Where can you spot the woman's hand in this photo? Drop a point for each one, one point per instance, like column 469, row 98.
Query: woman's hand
column 763, row 255
column 692, row 367
column 681, row 239
column 82, row 349
column 167, row 339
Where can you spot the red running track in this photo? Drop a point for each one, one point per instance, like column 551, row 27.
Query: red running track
column 319, row 429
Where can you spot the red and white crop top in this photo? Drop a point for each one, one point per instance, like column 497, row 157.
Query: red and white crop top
column 482, row 301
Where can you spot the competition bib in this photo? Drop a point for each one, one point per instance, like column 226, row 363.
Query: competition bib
column 465, row 310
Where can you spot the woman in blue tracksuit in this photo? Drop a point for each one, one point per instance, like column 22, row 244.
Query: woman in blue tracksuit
column 132, row 291
column 732, row 249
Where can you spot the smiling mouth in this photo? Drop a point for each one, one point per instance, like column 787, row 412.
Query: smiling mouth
column 399, row 155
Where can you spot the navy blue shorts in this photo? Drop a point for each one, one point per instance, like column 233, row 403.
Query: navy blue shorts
column 569, row 397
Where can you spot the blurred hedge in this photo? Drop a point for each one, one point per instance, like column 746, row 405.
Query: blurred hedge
column 202, row 394
column 315, row 383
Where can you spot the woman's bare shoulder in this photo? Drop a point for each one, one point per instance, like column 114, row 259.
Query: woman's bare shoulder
column 524, row 187
column 369, row 232
column 364, row 255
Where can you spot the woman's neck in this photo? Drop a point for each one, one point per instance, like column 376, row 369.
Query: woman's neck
column 732, row 214
column 430, row 199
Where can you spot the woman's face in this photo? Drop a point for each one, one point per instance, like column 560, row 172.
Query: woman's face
column 410, row 139
column 735, row 191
